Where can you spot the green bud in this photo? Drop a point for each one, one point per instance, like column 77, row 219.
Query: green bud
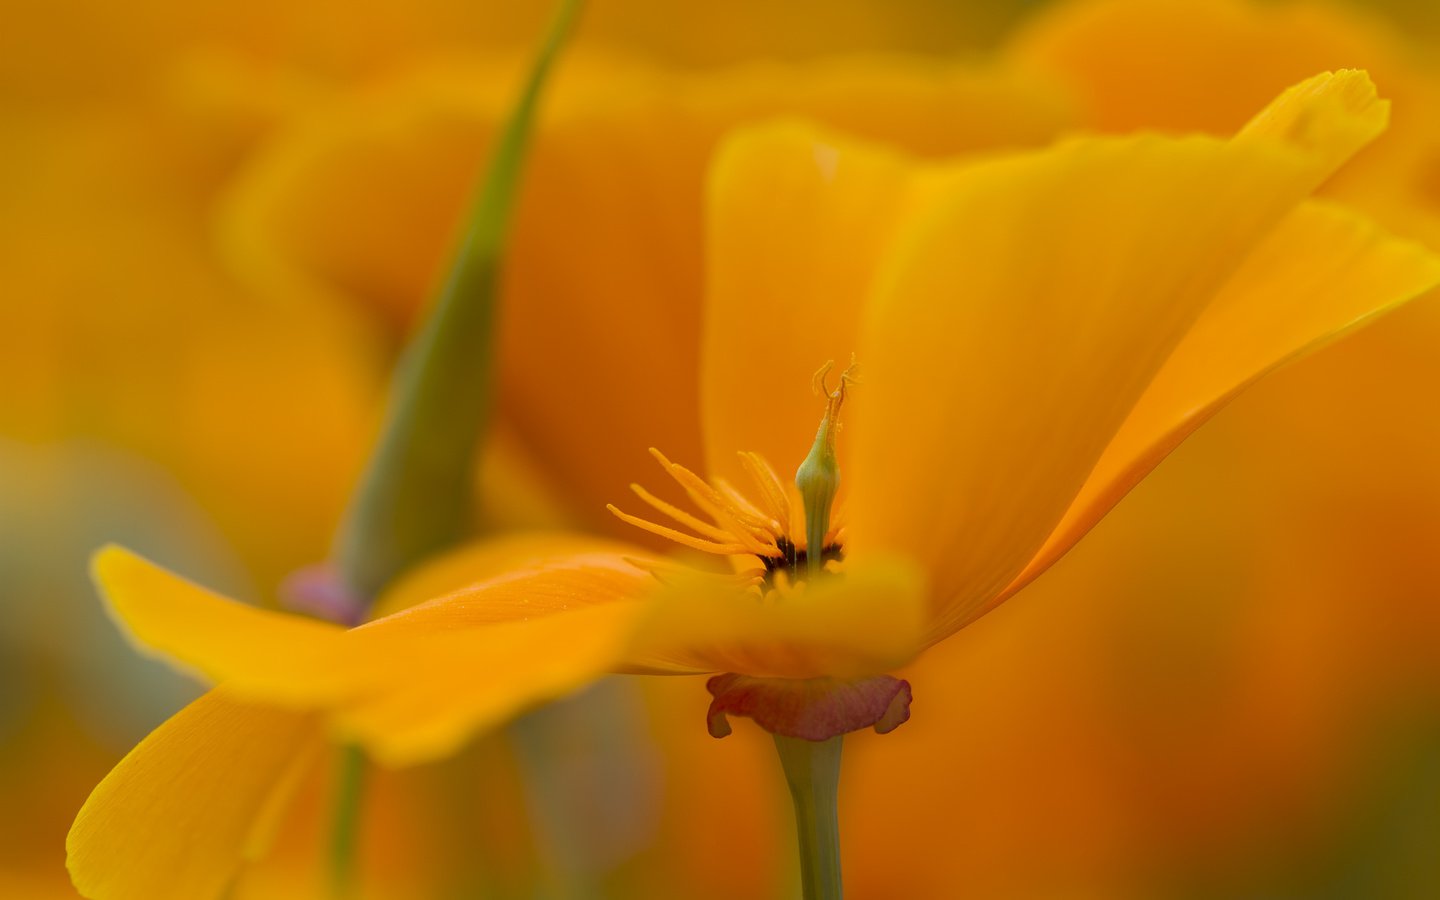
column 818, row 477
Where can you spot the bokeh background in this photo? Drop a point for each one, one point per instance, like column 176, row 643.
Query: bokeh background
column 210, row 252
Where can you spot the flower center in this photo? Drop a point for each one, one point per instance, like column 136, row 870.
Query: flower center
column 768, row 534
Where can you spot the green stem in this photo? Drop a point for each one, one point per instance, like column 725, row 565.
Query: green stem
column 345, row 826
column 413, row 500
column 812, row 769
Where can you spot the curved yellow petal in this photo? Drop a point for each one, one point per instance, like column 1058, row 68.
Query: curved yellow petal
column 415, row 684
column 534, row 588
column 436, row 673
column 1195, row 65
column 1323, row 273
column 930, row 108
column 166, row 615
column 184, row 810
column 868, row 622
column 1140, row 64
column 1328, row 117
column 1025, row 314
column 618, row 192
column 442, row 687
column 484, row 559
column 797, row 222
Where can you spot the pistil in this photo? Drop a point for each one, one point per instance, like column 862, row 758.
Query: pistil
column 818, row 477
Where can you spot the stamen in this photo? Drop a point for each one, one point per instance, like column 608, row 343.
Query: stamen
column 675, row 573
column 738, row 501
column 765, row 555
column 770, row 485
column 680, row 515
column 717, row 505
column 678, row 537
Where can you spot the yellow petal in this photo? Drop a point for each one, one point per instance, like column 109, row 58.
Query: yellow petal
column 191, row 803
column 868, row 622
column 1024, row 316
column 446, row 688
column 1323, row 273
column 797, row 222
column 415, row 684
column 1328, row 117
column 482, row 560
column 616, row 190
column 1140, row 64
column 432, row 675
column 927, row 108
column 220, row 639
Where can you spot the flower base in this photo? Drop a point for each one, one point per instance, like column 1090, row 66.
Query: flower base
column 812, row 709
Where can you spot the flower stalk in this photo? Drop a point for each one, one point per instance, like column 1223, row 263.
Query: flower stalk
column 413, row 500
column 812, row 769
column 345, row 830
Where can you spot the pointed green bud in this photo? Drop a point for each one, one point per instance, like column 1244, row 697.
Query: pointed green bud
column 818, row 477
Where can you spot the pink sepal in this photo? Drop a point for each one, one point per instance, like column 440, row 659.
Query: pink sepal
column 813, row 709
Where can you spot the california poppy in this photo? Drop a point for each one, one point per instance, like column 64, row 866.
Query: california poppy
column 1036, row 332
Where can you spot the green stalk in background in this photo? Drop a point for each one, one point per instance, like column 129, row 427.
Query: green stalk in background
column 414, row 497
column 413, row 500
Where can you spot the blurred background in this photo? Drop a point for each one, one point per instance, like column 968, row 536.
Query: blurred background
column 218, row 219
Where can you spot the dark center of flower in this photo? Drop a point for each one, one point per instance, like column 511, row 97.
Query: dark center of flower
column 793, row 562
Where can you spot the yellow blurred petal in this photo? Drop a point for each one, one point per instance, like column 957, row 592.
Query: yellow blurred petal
column 612, row 183
column 417, row 683
column 1329, row 117
column 867, row 622
column 442, row 688
column 541, row 584
column 191, row 803
column 1323, row 273
column 616, row 190
column 1140, row 64
column 797, row 223
column 481, row 560
column 168, row 616
column 517, row 634
column 1019, row 325
column 1194, row 65
column 930, row 108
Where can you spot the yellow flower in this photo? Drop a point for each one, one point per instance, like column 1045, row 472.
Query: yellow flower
column 645, row 249
column 1218, row 668
column 1037, row 330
